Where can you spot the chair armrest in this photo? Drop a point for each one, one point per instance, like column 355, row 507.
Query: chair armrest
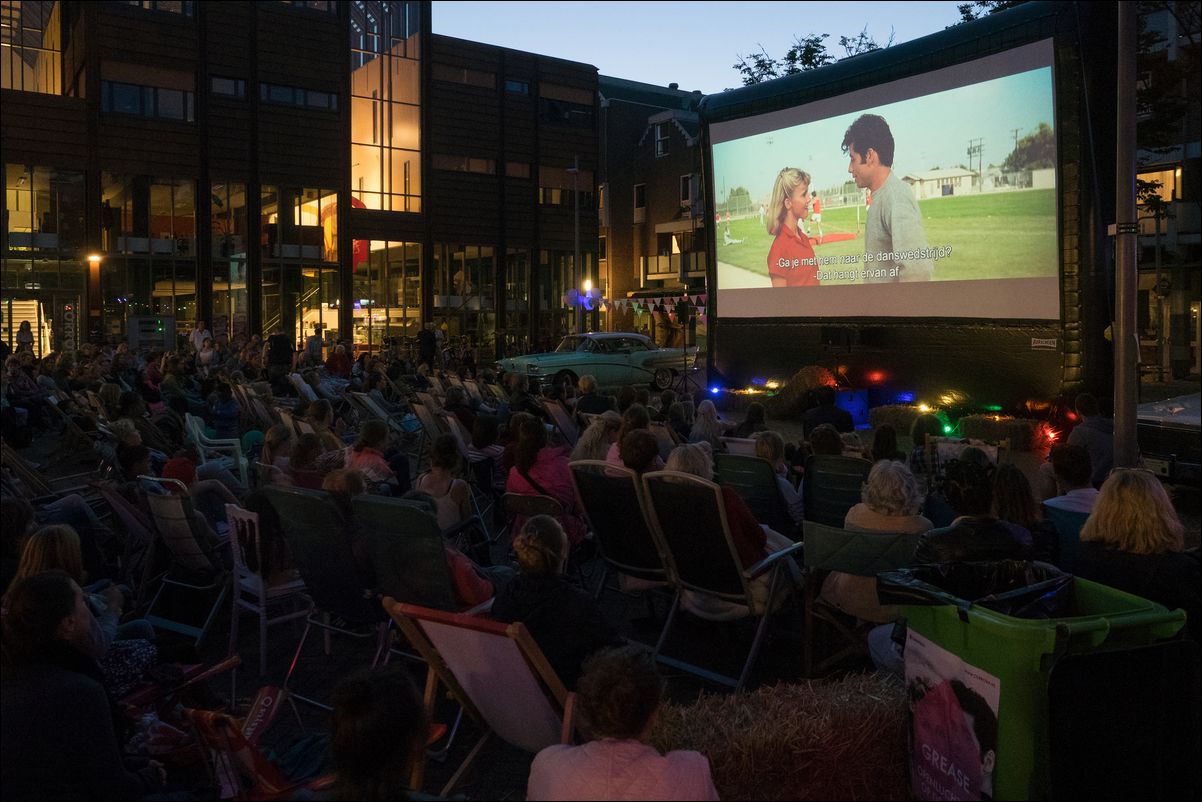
column 213, row 442
column 481, row 608
column 771, row 560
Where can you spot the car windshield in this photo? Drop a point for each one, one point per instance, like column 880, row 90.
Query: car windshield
column 570, row 344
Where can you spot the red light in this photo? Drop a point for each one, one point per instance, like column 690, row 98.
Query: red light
column 1072, row 416
column 876, row 377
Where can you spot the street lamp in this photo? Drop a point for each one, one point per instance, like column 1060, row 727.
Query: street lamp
column 576, row 270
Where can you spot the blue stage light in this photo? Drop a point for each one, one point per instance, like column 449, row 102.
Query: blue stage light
column 905, row 398
column 715, row 390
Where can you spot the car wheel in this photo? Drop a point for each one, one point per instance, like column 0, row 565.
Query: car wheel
column 565, row 379
column 662, row 379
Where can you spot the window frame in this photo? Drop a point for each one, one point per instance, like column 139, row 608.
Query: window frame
column 663, row 139
column 640, row 190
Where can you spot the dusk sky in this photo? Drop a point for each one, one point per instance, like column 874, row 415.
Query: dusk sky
column 692, row 44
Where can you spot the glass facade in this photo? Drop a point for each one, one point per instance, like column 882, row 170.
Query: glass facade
column 230, row 234
column 514, row 339
column 299, row 247
column 465, row 292
column 148, row 228
column 31, row 46
column 387, row 304
column 386, row 170
column 42, row 274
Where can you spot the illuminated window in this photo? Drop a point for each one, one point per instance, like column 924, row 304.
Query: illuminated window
column 30, row 46
column 386, row 105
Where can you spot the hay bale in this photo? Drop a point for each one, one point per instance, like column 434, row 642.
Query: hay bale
column 1023, row 433
column 843, row 739
column 899, row 416
column 790, row 401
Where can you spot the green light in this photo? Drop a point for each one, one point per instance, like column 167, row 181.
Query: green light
column 994, row 408
column 947, row 429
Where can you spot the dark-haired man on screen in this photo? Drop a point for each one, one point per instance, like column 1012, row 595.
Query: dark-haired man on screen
column 894, row 224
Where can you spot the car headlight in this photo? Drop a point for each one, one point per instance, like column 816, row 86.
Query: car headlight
column 533, row 369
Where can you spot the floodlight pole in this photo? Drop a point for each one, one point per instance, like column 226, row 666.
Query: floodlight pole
column 1126, row 344
column 578, row 270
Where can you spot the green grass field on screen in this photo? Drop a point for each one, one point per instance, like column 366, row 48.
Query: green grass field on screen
column 993, row 235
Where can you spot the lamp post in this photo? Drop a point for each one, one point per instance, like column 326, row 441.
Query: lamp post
column 576, row 269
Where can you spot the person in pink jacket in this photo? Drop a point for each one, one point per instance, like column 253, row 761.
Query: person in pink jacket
column 619, row 699
column 540, row 470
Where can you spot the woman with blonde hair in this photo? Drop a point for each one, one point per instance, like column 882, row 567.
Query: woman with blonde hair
column 708, row 427
column 564, row 620
column 595, row 441
column 891, row 502
column 791, row 261
column 1134, row 541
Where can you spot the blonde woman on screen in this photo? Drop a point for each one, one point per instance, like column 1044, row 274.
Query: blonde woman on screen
column 791, row 261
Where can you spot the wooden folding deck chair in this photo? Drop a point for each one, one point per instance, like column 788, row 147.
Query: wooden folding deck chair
column 496, row 672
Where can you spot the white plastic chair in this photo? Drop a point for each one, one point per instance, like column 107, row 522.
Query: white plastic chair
column 302, row 387
column 227, row 453
column 251, row 590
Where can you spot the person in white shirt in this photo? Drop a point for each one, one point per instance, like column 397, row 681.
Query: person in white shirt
column 198, row 336
column 619, row 699
column 1073, row 469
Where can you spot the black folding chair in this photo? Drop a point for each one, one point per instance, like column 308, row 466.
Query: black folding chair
column 343, row 599
column 689, row 521
column 755, row 481
column 832, row 486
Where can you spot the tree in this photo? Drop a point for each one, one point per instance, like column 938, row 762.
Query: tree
column 974, row 11
column 806, row 53
column 1033, row 152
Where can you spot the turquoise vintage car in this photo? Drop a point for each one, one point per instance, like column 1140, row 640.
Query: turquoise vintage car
column 613, row 358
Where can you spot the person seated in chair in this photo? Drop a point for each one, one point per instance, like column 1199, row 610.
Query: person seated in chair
column 590, row 401
column 770, row 446
column 619, row 697
column 541, row 470
column 827, row 412
column 753, row 541
column 892, row 503
column 59, row 726
column 378, row 732
column 1073, row 473
column 1135, row 542
column 564, row 621
column 975, row 535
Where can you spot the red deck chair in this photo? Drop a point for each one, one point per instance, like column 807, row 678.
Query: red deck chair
column 237, row 766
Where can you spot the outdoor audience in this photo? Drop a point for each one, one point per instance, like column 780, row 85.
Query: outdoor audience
column 72, row 645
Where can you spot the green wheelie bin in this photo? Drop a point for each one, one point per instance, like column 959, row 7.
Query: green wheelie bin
column 965, row 659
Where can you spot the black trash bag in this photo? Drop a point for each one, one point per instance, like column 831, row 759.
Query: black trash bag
column 1017, row 588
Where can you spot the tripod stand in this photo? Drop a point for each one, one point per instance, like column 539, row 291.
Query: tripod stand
column 685, row 381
